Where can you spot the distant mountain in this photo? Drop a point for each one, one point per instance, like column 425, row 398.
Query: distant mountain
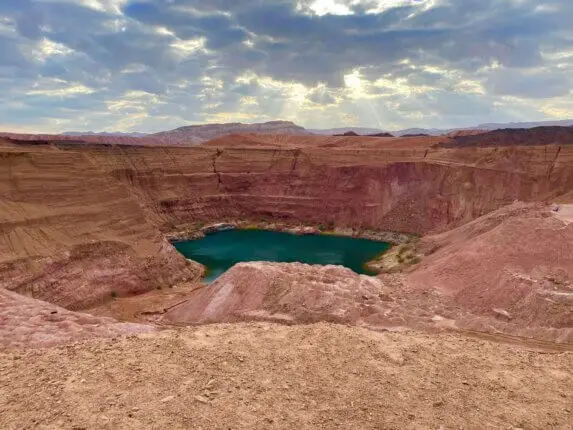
column 418, row 131
column 196, row 134
column 364, row 131
column 496, row 126
column 343, row 130
column 103, row 133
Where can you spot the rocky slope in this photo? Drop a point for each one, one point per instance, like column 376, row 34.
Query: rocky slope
column 407, row 185
column 323, row 376
column 514, row 265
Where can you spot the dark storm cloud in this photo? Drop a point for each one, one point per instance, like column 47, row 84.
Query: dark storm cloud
column 499, row 44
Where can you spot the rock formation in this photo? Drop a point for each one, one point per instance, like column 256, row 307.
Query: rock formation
column 83, row 226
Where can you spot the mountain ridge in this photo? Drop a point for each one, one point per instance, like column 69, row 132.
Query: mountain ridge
column 197, row 134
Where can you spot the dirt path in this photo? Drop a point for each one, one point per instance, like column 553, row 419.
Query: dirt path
column 247, row 376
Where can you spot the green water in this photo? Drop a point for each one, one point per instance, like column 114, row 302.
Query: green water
column 220, row 251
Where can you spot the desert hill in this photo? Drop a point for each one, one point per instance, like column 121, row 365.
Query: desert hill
column 194, row 134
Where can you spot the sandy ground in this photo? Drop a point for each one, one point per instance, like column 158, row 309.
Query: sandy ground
column 565, row 213
column 259, row 375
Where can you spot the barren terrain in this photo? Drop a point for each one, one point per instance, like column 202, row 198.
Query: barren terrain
column 474, row 332
column 269, row 376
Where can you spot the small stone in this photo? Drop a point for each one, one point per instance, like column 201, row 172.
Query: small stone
column 167, row 399
column 501, row 313
column 135, row 409
column 438, row 403
column 201, row 399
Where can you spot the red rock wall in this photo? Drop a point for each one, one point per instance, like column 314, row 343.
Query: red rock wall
column 415, row 191
column 73, row 235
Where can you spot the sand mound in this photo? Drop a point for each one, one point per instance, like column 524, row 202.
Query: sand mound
column 515, row 264
column 29, row 322
column 287, row 292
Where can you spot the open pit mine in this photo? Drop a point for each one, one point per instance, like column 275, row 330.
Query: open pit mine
column 468, row 322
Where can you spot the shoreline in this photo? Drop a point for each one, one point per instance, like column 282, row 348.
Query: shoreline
column 196, row 231
column 400, row 255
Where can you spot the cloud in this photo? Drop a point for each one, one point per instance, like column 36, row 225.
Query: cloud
column 145, row 64
column 536, row 85
column 321, row 96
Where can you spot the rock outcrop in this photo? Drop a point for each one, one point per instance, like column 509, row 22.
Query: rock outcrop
column 403, row 185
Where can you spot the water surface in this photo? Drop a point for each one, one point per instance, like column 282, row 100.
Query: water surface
column 220, row 251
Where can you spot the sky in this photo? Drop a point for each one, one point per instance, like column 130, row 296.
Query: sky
column 152, row 65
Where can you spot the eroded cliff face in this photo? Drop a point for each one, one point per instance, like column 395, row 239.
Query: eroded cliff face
column 415, row 188
column 81, row 222
column 74, row 235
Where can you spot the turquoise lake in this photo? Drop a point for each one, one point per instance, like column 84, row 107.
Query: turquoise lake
column 220, row 251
